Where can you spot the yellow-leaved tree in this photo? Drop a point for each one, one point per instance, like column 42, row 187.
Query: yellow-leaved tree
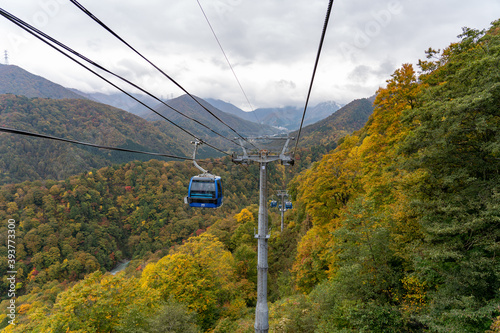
column 95, row 304
column 361, row 169
column 199, row 273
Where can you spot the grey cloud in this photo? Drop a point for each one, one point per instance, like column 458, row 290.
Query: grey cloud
column 366, row 40
column 285, row 84
column 362, row 73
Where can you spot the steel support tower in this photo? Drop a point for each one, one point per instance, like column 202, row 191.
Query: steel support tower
column 263, row 158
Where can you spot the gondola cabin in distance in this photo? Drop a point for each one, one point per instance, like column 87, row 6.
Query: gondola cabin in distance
column 205, row 191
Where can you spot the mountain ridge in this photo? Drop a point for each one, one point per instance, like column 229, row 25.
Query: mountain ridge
column 350, row 118
column 24, row 158
column 56, row 108
column 17, row 81
column 287, row 117
column 191, row 108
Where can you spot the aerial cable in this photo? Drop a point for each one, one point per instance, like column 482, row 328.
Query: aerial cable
column 33, row 31
column 327, row 18
column 119, row 77
column 92, row 16
column 50, row 137
column 40, row 35
column 228, row 62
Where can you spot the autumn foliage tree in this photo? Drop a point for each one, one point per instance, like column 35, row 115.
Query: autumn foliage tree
column 412, row 246
column 200, row 273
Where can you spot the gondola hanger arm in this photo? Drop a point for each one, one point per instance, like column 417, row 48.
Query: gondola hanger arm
column 196, row 144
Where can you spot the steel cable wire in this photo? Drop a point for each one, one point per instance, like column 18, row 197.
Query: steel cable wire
column 48, row 40
column 102, row 24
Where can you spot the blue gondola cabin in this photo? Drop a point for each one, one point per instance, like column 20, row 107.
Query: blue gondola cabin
column 205, row 191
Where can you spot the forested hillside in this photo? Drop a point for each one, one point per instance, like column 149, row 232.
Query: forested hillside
column 396, row 230
column 17, row 81
column 23, row 158
column 67, row 229
column 405, row 215
column 348, row 119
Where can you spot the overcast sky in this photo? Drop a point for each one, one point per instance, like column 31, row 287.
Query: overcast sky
column 272, row 44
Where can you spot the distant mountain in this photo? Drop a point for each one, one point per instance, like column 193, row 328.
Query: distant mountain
column 17, row 81
column 321, row 111
column 287, row 117
column 122, row 101
column 348, row 119
column 189, row 107
column 23, row 158
column 229, row 108
column 271, row 121
column 186, row 105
